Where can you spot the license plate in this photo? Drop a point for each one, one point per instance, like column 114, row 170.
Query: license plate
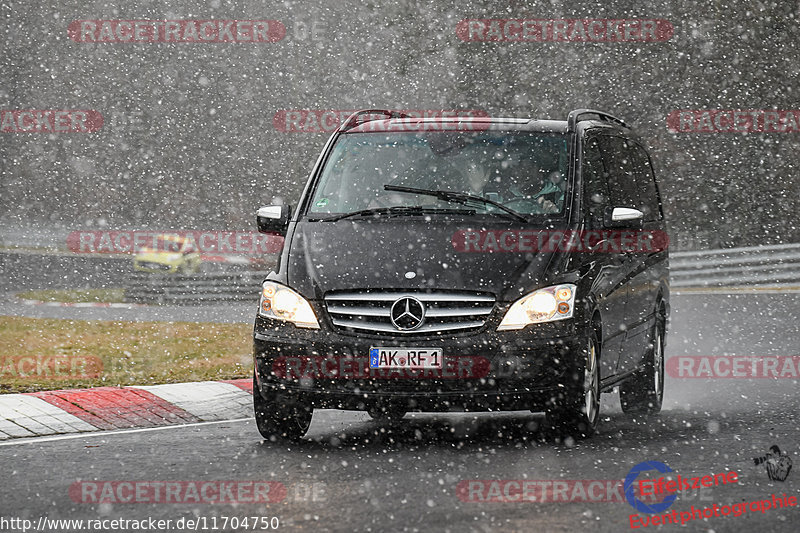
column 405, row 358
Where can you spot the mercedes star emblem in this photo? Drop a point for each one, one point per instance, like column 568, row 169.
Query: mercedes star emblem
column 407, row 313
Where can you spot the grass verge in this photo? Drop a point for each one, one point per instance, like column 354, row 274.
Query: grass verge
column 46, row 354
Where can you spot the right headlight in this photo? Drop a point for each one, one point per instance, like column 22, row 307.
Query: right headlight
column 543, row 305
column 282, row 303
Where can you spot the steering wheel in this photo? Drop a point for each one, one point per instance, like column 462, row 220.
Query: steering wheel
column 524, row 204
column 532, row 206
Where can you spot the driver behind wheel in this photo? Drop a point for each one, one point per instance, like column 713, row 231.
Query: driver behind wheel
column 537, row 186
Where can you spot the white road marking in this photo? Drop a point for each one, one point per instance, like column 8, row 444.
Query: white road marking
column 735, row 290
column 37, row 440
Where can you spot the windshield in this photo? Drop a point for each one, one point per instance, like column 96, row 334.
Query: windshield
column 523, row 171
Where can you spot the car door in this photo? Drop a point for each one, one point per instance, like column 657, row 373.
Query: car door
column 625, row 169
column 609, row 269
column 644, row 286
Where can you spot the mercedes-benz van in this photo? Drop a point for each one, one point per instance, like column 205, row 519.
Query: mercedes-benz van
column 442, row 264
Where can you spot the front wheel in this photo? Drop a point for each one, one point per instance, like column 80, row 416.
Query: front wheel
column 279, row 417
column 578, row 413
column 643, row 393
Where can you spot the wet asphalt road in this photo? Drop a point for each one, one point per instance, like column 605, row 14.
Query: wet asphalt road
column 10, row 305
column 352, row 473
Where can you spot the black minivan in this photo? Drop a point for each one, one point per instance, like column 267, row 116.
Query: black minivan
column 472, row 263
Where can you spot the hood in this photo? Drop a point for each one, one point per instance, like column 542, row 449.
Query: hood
column 408, row 253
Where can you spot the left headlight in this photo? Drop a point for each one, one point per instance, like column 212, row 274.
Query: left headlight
column 544, row 305
column 282, row 303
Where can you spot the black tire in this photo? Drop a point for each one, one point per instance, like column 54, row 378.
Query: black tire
column 643, row 393
column 277, row 417
column 578, row 412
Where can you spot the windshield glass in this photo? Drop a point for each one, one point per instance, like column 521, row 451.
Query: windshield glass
column 521, row 170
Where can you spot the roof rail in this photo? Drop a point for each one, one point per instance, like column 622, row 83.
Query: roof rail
column 352, row 120
column 575, row 116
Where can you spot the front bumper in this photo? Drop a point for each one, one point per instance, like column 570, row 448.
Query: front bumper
column 487, row 370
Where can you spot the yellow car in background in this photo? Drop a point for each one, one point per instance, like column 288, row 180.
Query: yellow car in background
column 172, row 254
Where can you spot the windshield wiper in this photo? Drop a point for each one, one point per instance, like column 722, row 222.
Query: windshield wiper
column 456, row 197
column 400, row 210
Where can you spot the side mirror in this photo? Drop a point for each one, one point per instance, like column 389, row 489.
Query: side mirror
column 623, row 217
column 273, row 219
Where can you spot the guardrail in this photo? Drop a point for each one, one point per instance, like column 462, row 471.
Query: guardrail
column 754, row 266
column 143, row 287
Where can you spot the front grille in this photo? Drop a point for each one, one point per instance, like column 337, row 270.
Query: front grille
column 444, row 311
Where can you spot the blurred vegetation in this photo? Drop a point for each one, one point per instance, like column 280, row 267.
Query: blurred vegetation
column 129, row 353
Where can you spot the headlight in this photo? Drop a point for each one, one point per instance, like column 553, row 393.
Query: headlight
column 543, row 305
column 282, row 303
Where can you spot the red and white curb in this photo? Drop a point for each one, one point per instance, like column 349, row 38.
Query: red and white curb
column 103, row 408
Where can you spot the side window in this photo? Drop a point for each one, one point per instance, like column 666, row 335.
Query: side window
column 617, row 159
column 594, row 178
column 630, row 177
column 644, row 179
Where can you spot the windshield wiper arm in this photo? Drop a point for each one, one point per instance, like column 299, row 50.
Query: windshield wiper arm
column 457, row 197
column 400, row 210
